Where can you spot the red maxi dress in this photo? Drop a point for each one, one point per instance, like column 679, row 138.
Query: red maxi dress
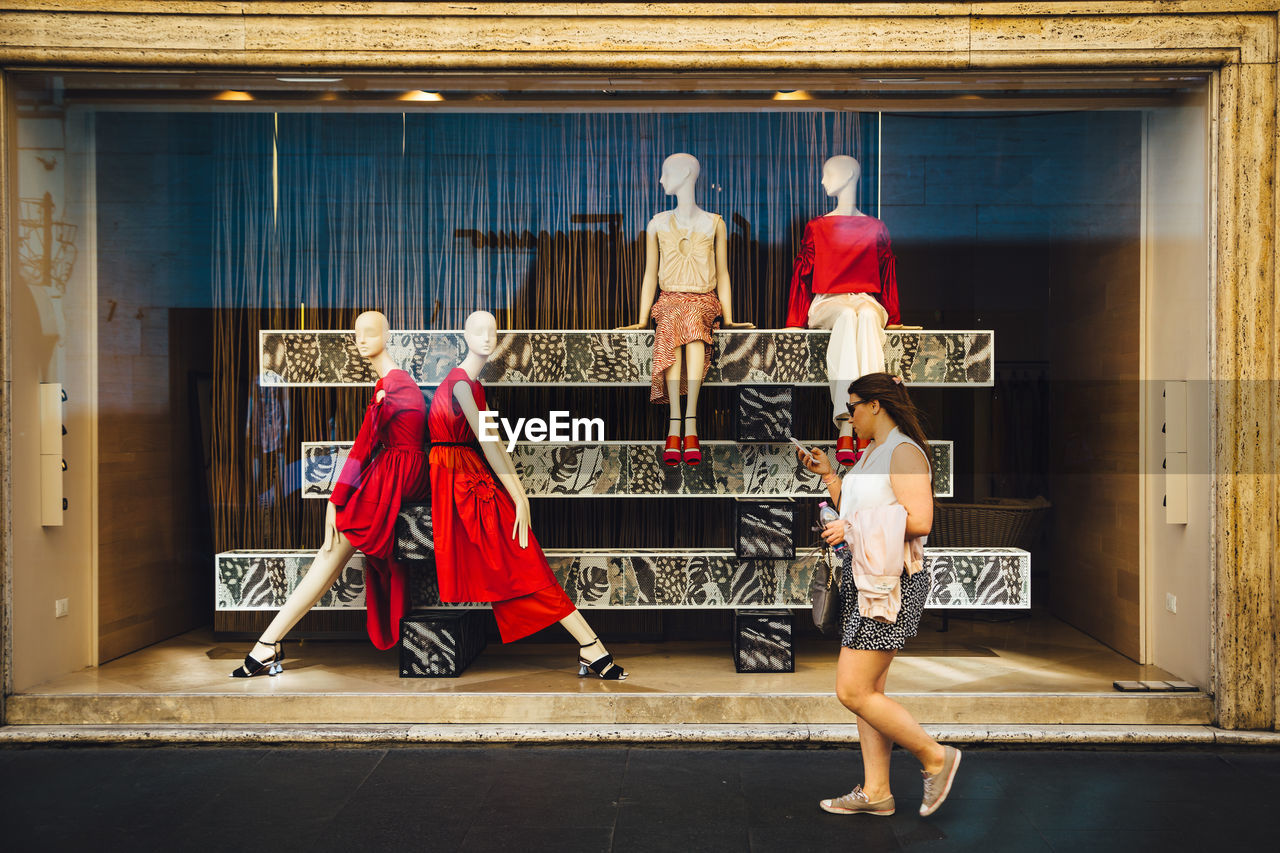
column 386, row 467
column 471, row 519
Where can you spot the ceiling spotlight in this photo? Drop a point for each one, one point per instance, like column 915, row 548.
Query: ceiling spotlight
column 233, row 95
column 792, row 95
column 419, row 95
column 309, row 79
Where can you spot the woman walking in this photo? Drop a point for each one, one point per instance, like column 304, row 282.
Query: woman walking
column 894, row 470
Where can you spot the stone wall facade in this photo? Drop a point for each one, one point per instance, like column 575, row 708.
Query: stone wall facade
column 1235, row 40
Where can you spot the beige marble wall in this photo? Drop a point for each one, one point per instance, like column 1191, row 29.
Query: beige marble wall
column 1236, row 37
column 6, row 485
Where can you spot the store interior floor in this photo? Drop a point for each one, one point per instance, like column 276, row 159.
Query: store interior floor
column 1026, row 654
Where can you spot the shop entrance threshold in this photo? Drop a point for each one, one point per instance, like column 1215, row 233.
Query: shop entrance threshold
column 1033, row 672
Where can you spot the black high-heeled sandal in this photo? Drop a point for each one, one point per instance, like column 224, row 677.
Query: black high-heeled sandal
column 602, row 667
column 252, row 666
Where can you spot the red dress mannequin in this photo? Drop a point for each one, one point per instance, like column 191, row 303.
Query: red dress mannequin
column 472, row 516
column 385, row 468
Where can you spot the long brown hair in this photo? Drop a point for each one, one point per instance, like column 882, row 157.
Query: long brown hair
column 892, row 395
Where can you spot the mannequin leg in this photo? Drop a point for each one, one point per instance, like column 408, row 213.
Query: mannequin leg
column 590, row 649
column 869, row 344
column 576, row 624
column 323, row 572
column 673, row 392
column 842, row 357
column 696, row 353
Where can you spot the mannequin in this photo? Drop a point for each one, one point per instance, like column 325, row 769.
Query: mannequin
column 844, row 280
column 483, row 546
column 686, row 255
column 385, row 466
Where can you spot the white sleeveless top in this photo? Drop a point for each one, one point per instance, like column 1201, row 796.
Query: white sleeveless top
column 867, row 484
column 686, row 256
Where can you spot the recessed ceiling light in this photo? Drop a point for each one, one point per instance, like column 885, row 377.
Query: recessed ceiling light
column 419, row 95
column 309, row 79
column 792, row 95
column 233, row 95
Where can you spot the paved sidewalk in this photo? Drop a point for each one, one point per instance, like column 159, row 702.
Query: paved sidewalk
column 519, row 799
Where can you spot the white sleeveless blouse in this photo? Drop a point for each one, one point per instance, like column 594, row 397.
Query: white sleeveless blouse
column 867, row 484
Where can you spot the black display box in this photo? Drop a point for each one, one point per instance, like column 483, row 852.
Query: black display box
column 440, row 643
column 764, row 413
column 762, row 641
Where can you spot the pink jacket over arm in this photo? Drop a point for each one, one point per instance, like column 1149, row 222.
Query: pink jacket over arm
column 881, row 552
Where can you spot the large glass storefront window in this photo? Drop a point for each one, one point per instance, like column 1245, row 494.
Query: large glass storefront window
column 185, row 253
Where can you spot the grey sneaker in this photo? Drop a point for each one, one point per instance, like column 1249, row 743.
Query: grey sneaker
column 856, row 801
column 937, row 786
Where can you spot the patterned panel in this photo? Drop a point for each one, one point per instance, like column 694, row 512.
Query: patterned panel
column 764, row 413
column 415, row 541
column 963, row 578
column 994, row 578
column 762, row 641
column 598, row 357
column 764, row 529
column 440, row 645
column 621, row 469
column 262, row 580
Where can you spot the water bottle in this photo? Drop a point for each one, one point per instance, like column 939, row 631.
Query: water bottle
column 826, row 515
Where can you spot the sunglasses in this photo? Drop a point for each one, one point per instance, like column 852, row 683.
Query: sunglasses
column 852, row 406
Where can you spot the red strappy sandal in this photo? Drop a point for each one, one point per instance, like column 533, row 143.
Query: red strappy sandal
column 845, row 454
column 692, row 451
column 671, row 453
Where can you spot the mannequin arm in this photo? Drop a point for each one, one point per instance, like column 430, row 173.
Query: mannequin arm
column 649, row 283
column 500, row 462
column 723, row 289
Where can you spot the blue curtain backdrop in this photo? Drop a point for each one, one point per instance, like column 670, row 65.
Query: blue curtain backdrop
column 427, row 217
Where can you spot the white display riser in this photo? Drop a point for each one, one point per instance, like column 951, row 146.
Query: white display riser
column 634, row 469
column 597, row 357
column 963, row 578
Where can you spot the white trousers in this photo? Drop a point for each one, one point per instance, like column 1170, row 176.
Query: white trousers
column 856, row 348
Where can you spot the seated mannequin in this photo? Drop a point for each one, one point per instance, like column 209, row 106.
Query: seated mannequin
column 385, row 467
column 845, row 280
column 686, row 255
column 484, row 550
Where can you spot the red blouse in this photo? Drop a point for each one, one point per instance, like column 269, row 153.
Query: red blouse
column 843, row 254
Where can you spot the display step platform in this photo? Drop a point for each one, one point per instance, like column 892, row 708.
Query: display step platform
column 968, row 578
column 634, row 469
column 766, row 356
column 966, row 676
column 275, row 704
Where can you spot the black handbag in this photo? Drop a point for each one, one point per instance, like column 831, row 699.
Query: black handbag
column 824, row 592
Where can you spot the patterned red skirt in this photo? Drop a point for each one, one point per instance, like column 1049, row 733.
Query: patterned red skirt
column 681, row 318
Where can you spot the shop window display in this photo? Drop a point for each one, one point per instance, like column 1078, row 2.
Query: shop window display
column 273, row 230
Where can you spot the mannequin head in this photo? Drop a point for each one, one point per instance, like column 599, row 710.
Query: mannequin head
column 839, row 172
column 371, row 331
column 678, row 171
column 481, row 333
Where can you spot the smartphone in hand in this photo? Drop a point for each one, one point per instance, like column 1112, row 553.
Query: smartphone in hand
column 803, row 449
